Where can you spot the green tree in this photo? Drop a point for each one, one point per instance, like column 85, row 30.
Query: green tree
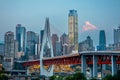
column 3, row 77
column 93, row 79
column 79, row 76
column 53, row 77
column 69, row 78
column 59, row 78
column 108, row 77
column 116, row 77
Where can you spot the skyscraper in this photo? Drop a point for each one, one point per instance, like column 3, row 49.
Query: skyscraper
column 64, row 39
column 116, row 35
column 102, row 41
column 86, row 45
column 58, row 48
column 54, row 40
column 30, row 44
column 21, row 38
column 73, row 28
column 9, row 44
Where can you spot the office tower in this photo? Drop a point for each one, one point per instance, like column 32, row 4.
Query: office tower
column 73, row 29
column 21, row 38
column 102, row 41
column 64, row 39
column 2, row 48
column 9, row 44
column 86, row 45
column 54, row 40
column 31, row 44
column 116, row 35
column 58, row 48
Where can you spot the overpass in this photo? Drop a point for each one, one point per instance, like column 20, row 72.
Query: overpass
column 104, row 57
column 84, row 58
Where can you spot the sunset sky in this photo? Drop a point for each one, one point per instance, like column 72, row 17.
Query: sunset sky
column 93, row 15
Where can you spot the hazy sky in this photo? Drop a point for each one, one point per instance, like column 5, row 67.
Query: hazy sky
column 93, row 15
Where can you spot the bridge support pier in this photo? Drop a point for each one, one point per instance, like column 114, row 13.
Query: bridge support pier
column 95, row 60
column 114, row 65
column 103, row 67
column 83, row 64
column 91, row 71
column 28, row 72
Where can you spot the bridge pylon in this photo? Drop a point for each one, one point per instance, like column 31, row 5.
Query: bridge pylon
column 46, row 45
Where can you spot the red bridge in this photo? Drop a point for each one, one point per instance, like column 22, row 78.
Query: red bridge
column 104, row 57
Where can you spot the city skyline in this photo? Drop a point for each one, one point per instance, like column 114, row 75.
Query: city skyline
column 92, row 16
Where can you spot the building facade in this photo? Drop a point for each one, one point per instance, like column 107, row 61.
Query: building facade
column 102, row 41
column 9, row 44
column 30, row 44
column 64, row 39
column 21, row 38
column 54, row 40
column 58, row 48
column 116, row 35
column 73, row 29
column 86, row 45
column 2, row 47
column 15, row 49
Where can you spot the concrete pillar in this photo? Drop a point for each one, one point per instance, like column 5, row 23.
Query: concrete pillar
column 103, row 69
column 91, row 71
column 83, row 64
column 28, row 71
column 95, row 60
column 114, row 65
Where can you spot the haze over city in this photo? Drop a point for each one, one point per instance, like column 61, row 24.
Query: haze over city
column 93, row 15
column 59, row 39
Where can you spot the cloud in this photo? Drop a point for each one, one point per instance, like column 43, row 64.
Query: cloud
column 88, row 26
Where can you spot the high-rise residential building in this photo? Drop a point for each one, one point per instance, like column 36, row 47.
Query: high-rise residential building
column 64, row 39
column 9, row 44
column 31, row 43
column 21, row 38
column 116, row 35
column 54, row 40
column 2, row 48
column 73, row 28
column 86, row 45
column 102, row 41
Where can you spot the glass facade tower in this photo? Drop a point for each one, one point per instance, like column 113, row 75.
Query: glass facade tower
column 21, row 38
column 102, row 41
